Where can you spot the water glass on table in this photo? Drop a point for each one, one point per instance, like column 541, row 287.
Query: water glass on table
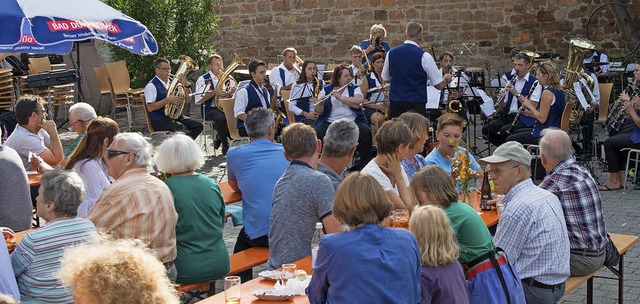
column 400, row 218
column 287, row 273
column 232, row 289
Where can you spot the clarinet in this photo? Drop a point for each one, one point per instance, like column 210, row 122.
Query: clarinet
column 522, row 108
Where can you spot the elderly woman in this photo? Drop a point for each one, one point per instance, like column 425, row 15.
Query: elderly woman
column 87, row 160
column 37, row 257
column 419, row 126
column 202, row 252
column 375, row 43
column 478, row 254
column 387, row 260
column 344, row 100
column 115, row 271
column 80, row 116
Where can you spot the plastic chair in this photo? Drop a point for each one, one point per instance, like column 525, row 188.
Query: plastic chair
column 206, row 123
column 635, row 160
column 121, row 91
column 146, row 115
column 605, row 97
column 103, row 84
column 227, row 107
column 286, row 95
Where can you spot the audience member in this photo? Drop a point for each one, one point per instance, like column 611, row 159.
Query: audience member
column 580, row 200
column 393, row 141
column 487, row 282
column 338, row 147
column 301, row 198
column 80, row 115
column 34, row 134
column 115, row 271
column 37, row 256
column 449, row 135
column 15, row 198
column 532, row 230
column 419, row 126
column 5, row 299
column 388, row 260
column 442, row 279
column 8, row 285
column 88, row 160
column 202, row 252
column 254, row 169
column 137, row 205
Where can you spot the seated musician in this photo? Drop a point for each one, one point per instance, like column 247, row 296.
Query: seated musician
column 375, row 43
column 518, row 83
column 357, row 68
column 285, row 74
column 375, row 107
column 254, row 95
column 548, row 113
column 155, row 93
column 449, row 135
column 305, row 89
column 454, row 90
column 591, row 114
column 593, row 57
column 628, row 136
column 344, row 100
column 211, row 111
column 445, row 61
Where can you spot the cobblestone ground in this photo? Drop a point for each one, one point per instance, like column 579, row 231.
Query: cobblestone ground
column 620, row 209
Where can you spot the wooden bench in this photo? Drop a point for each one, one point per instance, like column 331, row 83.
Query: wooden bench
column 623, row 243
column 241, row 261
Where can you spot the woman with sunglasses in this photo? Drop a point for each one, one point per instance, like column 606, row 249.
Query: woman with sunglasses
column 548, row 113
column 87, row 160
column 342, row 99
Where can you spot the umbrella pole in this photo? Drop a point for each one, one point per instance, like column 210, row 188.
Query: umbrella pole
column 77, row 66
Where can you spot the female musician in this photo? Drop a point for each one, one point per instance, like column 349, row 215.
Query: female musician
column 302, row 93
column 344, row 100
column 629, row 137
column 548, row 113
column 376, row 42
column 375, row 107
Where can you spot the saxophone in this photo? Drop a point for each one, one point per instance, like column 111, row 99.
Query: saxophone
column 227, row 78
column 273, row 103
column 187, row 64
column 578, row 48
column 617, row 116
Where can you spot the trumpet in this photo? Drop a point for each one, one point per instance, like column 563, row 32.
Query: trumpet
column 325, row 97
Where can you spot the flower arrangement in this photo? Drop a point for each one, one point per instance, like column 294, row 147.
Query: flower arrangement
column 462, row 174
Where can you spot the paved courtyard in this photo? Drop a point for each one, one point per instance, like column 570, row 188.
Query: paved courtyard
column 621, row 210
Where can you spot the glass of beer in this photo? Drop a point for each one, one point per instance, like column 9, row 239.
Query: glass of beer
column 400, row 219
column 232, row 290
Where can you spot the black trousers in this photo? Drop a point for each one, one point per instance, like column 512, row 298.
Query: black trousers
column 219, row 124
column 497, row 130
column 365, row 140
column 396, row 108
column 189, row 126
column 524, row 137
column 616, row 160
column 587, row 132
column 243, row 242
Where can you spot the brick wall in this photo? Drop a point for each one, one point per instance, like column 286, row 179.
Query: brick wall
column 325, row 29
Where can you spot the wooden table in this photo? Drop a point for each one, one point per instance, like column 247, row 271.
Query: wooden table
column 229, row 195
column 34, row 178
column 490, row 217
column 260, row 283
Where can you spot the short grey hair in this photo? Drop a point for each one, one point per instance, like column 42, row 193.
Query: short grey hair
column 556, row 144
column 341, row 137
column 64, row 189
column 83, row 111
column 136, row 144
column 258, row 122
column 179, row 153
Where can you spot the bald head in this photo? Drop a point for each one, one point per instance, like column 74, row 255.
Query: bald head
column 555, row 145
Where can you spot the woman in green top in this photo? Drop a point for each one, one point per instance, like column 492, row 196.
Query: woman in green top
column 202, row 253
column 478, row 254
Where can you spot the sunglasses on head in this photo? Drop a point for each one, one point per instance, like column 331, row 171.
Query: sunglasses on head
column 111, row 153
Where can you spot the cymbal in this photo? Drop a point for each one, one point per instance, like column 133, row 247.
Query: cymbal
column 594, row 64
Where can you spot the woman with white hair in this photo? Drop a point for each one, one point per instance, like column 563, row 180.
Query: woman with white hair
column 202, row 252
column 375, row 43
column 37, row 257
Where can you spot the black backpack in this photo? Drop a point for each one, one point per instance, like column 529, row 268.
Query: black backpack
column 8, row 122
column 19, row 69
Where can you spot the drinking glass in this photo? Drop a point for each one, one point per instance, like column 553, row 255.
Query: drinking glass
column 400, row 218
column 499, row 204
column 287, row 272
column 232, row 289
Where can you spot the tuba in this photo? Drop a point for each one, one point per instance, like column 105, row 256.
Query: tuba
column 578, row 48
column 226, row 78
column 187, row 64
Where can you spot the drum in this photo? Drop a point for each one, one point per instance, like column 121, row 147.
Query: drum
column 476, row 77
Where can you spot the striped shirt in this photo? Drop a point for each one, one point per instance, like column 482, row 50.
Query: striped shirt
column 581, row 204
column 139, row 206
column 533, row 233
column 37, row 259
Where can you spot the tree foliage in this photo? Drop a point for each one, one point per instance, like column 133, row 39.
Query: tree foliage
column 179, row 26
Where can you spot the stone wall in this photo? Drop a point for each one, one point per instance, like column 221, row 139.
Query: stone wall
column 325, row 29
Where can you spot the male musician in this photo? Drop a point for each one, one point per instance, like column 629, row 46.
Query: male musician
column 453, row 90
column 209, row 82
column 594, row 57
column 155, row 92
column 254, row 95
column 356, row 66
column 284, row 74
column 407, row 68
column 498, row 129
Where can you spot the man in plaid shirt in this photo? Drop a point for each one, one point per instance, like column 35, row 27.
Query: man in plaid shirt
column 580, row 199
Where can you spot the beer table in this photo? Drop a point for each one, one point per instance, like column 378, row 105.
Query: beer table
column 229, row 196
column 490, row 217
column 260, row 283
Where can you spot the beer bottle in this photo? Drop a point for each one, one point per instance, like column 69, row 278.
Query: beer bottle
column 485, row 192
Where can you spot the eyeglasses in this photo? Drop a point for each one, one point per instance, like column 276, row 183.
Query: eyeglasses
column 111, row 153
column 496, row 172
column 164, row 69
column 70, row 128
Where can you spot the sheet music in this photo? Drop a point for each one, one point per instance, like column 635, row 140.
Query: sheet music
column 586, row 86
column 577, row 88
column 433, row 97
column 487, row 107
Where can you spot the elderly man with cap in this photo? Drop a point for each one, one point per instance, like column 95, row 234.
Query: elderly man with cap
column 532, row 229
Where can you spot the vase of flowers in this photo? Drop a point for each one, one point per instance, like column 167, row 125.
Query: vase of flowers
column 462, row 174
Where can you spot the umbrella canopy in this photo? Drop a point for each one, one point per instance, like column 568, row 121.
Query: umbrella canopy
column 51, row 26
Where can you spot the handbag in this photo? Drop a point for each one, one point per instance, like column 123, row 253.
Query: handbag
column 612, row 255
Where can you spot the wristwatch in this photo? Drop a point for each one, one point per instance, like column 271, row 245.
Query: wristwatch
column 519, row 95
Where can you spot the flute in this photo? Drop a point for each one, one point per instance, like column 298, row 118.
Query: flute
column 325, row 97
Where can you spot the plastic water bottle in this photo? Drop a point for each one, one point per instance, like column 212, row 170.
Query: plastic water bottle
column 315, row 244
